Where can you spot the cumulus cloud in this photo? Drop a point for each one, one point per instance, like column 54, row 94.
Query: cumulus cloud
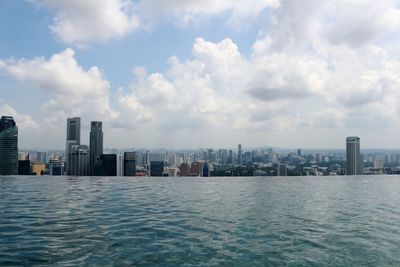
column 82, row 22
column 319, row 64
column 186, row 12
column 74, row 90
column 24, row 121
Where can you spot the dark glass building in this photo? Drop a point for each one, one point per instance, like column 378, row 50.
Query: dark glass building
column 156, row 168
column 129, row 164
column 106, row 165
column 24, row 167
column 79, row 160
column 96, row 143
column 206, row 169
column 8, row 146
column 73, row 139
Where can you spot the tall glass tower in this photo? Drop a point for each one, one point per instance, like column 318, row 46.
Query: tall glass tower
column 240, row 155
column 354, row 159
column 96, row 143
column 8, row 146
column 73, row 139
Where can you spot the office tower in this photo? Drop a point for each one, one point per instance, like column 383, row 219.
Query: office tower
column 240, row 155
column 79, row 160
column 353, row 156
column 184, row 169
column 156, row 168
column 206, row 170
column 8, row 146
column 230, row 156
column 120, row 164
column 129, row 164
column 73, row 139
column 106, row 165
column 299, row 154
column 56, row 167
column 196, row 169
column 24, row 167
column 281, row 170
column 96, row 143
column 378, row 164
column 41, row 157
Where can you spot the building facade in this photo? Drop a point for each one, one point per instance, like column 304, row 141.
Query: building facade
column 79, row 160
column 156, row 168
column 240, row 155
column 24, row 167
column 73, row 139
column 106, row 165
column 8, row 146
column 354, row 161
column 129, row 164
column 96, row 143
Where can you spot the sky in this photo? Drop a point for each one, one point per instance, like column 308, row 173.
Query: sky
column 203, row 73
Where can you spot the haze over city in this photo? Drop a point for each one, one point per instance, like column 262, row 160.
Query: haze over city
column 202, row 73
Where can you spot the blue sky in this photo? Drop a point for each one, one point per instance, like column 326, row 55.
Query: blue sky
column 189, row 74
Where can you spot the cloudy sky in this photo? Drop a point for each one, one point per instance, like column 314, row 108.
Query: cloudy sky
column 203, row 73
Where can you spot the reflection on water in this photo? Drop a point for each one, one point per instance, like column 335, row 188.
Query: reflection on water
column 295, row 221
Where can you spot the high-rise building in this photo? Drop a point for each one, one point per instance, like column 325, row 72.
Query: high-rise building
column 281, row 170
column 56, row 167
column 299, row 154
column 184, row 169
column 24, row 167
column 73, row 139
column 96, row 143
column 240, row 155
column 196, row 169
column 156, row 168
column 41, row 157
column 120, row 164
column 79, row 160
column 206, row 169
column 8, row 146
column 106, row 165
column 354, row 159
column 129, row 164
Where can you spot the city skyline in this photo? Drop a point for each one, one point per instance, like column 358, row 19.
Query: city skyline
column 90, row 160
column 203, row 73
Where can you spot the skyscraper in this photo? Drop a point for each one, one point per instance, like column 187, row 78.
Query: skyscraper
column 240, row 155
column 353, row 156
column 129, row 164
column 106, row 165
column 156, row 168
column 96, row 143
column 8, row 146
column 73, row 139
column 79, row 160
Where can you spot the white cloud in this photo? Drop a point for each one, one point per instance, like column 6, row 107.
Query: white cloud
column 82, row 22
column 23, row 121
column 74, row 90
column 319, row 65
column 187, row 12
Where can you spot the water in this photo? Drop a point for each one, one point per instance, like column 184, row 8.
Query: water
column 243, row 221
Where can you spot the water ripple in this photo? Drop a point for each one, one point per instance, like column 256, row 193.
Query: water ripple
column 241, row 221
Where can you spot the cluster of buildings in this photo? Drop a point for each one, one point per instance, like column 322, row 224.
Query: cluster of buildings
column 91, row 160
